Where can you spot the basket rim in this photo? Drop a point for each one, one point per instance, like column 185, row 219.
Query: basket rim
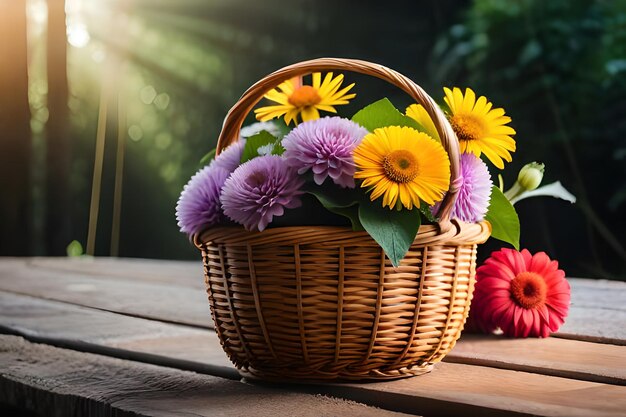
column 237, row 114
column 462, row 233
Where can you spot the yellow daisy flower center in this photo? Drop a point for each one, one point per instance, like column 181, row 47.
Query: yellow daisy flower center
column 304, row 96
column 403, row 166
column 293, row 100
column 400, row 166
column 468, row 126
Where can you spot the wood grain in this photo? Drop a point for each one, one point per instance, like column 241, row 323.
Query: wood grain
column 597, row 314
column 112, row 334
column 598, row 293
column 600, row 325
column 57, row 382
column 165, row 300
column 186, row 273
column 552, row 356
column 174, row 303
column 464, row 389
column 453, row 389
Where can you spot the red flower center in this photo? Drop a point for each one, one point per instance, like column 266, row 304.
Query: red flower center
column 529, row 289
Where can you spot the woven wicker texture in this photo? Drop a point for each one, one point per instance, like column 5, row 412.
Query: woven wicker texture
column 321, row 303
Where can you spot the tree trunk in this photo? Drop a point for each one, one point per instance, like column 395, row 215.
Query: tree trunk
column 15, row 139
column 57, row 229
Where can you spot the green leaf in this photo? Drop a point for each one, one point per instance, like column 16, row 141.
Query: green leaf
column 283, row 128
column 279, row 149
column 74, row 249
column 352, row 213
column 393, row 230
column 342, row 201
column 425, row 209
column 331, row 195
column 555, row 190
column 382, row 113
column 208, row 157
column 254, row 142
column 503, row 218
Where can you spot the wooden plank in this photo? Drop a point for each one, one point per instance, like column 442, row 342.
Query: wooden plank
column 598, row 293
column 41, row 379
column 187, row 273
column 551, row 356
column 180, row 304
column 600, row 325
column 597, row 314
column 588, row 293
column 465, row 389
column 162, row 300
column 112, row 334
column 453, row 389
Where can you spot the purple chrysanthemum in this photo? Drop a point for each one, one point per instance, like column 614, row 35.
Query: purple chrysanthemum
column 259, row 190
column 231, row 156
column 472, row 200
column 326, row 147
column 199, row 206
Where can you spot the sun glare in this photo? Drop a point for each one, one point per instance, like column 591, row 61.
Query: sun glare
column 77, row 35
column 77, row 32
column 37, row 12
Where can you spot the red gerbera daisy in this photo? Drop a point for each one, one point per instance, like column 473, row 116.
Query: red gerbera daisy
column 522, row 294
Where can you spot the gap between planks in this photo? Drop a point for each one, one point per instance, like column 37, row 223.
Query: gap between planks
column 449, row 387
column 174, row 292
column 116, row 311
column 538, row 356
column 41, row 378
column 168, row 302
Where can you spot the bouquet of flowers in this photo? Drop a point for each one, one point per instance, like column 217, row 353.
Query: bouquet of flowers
column 386, row 172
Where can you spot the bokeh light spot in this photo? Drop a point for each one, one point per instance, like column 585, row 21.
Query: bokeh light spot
column 162, row 101
column 98, row 55
column 77, row 35
column 163, row 140
column 147, row 94
column 135, row 133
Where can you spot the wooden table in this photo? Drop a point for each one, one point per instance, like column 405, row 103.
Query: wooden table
column 133, row 337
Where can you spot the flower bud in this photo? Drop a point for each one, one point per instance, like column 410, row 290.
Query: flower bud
column 530, row 176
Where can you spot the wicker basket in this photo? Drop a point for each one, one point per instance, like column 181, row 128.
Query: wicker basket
column 324, row 303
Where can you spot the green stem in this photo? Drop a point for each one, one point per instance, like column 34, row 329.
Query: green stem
column 514, row 191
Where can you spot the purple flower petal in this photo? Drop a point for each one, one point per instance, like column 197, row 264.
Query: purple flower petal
column 474, row 194
column 231, row 156
column 260, row 190
column 199, row 205
column 326, row 147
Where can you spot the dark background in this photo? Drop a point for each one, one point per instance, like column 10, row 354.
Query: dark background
column 159, row 76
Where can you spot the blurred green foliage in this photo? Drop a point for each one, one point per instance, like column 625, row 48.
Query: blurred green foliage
column 176, row 67
column 559, row 69
column 74, row 249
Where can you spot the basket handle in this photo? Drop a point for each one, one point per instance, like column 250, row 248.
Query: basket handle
column 237, row 114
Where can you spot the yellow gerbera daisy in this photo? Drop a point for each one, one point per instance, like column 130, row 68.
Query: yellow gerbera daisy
column 295, row 99
column 402, row 165
column 418, row 113
column 480, row 128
